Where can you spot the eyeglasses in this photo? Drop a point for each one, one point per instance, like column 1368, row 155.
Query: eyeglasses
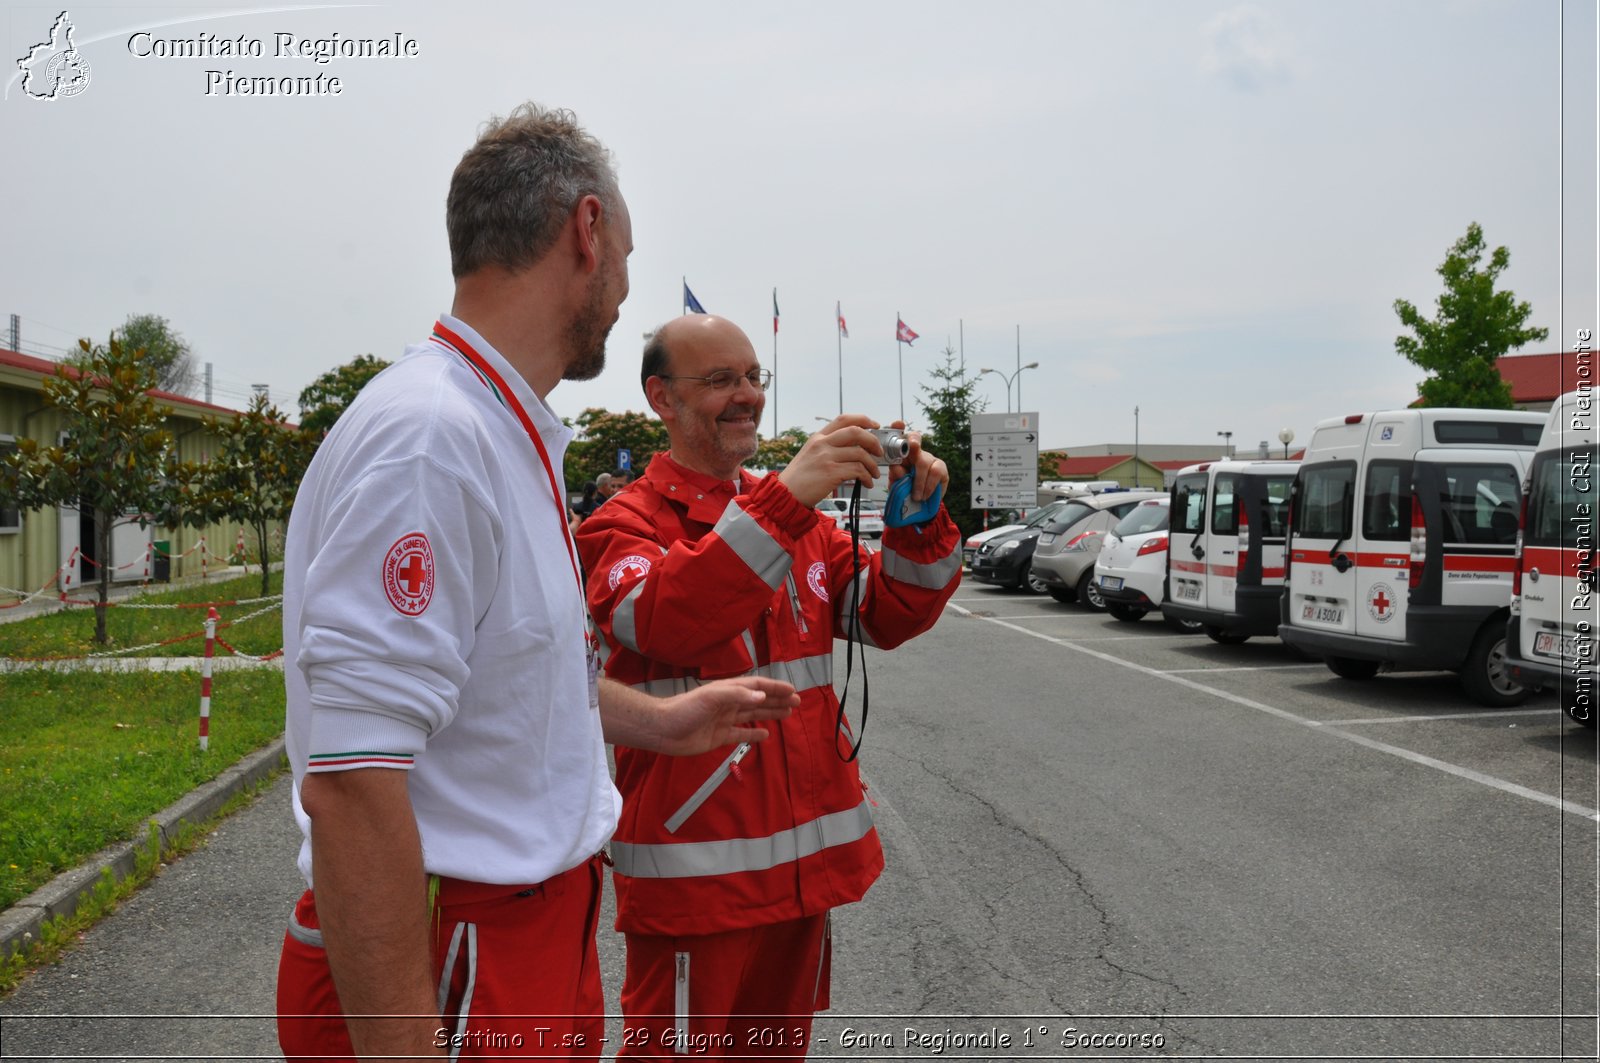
column 723, row 379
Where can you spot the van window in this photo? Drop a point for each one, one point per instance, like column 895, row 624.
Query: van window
column 1488, row 433
column 1480, row 504
column 1273, row 511
column 1189, row 504
column 1386, row 503
column 1322, row 508
column 1224, row 505
column 1562, row 481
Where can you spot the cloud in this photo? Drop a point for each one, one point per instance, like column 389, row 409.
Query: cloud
column 1246, row 49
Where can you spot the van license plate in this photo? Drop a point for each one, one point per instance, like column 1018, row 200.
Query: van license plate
column 1188, row 591
column 1322, row 614
column 1546, row 644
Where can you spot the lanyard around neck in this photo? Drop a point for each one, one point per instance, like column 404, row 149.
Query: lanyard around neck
column 491, row 379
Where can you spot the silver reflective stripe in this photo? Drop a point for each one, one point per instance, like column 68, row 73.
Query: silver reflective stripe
column 622, row 618
column 707, row 788
column 680, row 1001
column 449, row 965
column 692, row 859
column 305, row 934
column 806, row 673
column 754, row 544
column 853, row 628
column 933, row 575
column 750, row 646
column 466, row 994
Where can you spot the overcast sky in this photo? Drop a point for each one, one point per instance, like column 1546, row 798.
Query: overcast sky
column 1202, row 209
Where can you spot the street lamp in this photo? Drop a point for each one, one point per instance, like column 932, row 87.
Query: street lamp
column 1227, row 443
column 1008, row 378
column 1286, row 436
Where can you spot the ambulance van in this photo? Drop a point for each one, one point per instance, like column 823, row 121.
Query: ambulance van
column 1402, row 541
column 1225, row 554
column 1551, row 638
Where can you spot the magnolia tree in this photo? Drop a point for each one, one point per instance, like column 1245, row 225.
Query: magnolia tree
column 253, row 476
column 116, row 459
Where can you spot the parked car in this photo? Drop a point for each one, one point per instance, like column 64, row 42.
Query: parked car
column 1006, row 557
column 839, row 510
column 1550, row 639
column 1131, row 571
column 1063, row 559
column 969, row 549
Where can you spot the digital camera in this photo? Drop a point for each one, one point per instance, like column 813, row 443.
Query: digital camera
column 895, row 446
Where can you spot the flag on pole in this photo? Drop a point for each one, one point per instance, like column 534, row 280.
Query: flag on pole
column 844, row 330
column 690, row 303
column 902, row 331
column 774, row 311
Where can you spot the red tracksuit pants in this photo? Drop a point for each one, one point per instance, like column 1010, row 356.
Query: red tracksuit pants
column 742, row 994
column 517, row 969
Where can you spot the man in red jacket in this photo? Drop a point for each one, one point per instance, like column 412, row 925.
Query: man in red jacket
column 728, row 863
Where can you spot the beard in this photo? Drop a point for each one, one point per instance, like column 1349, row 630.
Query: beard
column 586, row 335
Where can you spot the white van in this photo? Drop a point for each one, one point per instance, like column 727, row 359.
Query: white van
column 1225, row 562
column 1402, row 540
column 1551, row 638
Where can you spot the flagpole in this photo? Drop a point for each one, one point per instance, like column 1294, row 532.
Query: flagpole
column 683, row 294
column 961, row 332
column 838, row 339
column 1019, row 368
column 900, row 358
column 774, row 363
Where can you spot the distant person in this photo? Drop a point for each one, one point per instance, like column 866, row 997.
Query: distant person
column 590, row 499
column 728, row 864
column 446, row 726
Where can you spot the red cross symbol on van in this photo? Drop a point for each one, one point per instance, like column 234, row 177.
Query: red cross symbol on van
column 1381, row 602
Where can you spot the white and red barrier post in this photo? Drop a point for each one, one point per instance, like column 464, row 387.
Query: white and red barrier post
column 205, row 679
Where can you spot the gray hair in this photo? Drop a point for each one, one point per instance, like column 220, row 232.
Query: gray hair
column 515, row 188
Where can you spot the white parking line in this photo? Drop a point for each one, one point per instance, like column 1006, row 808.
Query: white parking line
column 1441, row 716
column 1040, row 616
column 1414, row 757
column 1244, row 668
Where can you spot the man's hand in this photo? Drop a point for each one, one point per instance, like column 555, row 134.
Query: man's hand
column 843, row 450
column 930, row 471
column 708, row 717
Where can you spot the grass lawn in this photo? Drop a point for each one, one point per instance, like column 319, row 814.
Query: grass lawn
column 70, row 633
column 86, row 758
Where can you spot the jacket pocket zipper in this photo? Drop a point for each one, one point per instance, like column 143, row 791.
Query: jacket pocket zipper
column 709, row 787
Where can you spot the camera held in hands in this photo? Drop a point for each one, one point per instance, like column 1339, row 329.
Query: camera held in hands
column 894, row 443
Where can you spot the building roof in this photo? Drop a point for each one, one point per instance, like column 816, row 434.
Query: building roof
column 1089, row 465
column 44, row 367
column 1539, row 377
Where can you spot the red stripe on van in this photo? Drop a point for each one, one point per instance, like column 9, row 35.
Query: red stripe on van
column 1478, row 563
column 1549, row 558
column 1225, row 571
column 1197, row 567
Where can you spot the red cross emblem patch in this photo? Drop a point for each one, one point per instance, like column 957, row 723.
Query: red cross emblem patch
column 408, row 574
column 1380, row 603
column 629, row 567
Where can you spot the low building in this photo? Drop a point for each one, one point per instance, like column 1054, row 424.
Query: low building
column 38, row 546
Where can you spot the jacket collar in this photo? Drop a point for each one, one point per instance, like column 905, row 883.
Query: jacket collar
column 705, row 497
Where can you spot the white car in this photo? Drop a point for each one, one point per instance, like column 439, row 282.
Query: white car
column 839, row 510
column 1131, row 571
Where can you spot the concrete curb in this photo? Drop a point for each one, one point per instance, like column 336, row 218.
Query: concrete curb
column 20, row 924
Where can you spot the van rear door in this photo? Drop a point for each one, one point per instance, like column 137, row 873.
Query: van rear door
column 1383, row 550
column 1558, row 561
column 1186, row 548
column 1222, row 543
column 1322, row 577
column 1469, row 501
column 1264, row 500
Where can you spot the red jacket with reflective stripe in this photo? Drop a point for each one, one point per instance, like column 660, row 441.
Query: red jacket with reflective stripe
column 688, row 582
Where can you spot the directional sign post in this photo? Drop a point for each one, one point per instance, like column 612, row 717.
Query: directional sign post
column 1005, row 460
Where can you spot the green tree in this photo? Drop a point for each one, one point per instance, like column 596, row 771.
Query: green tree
column 166, row 351
column 327, row 397
column 602, row 433
column 1473, row 327
column 779, row 450
column 254, row 474
column 116, row 461
column 948, row 405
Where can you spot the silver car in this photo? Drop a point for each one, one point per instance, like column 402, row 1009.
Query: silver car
column 1063, row 559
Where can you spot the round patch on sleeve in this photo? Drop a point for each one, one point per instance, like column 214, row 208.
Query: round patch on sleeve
column 408, row 574
column 628, row 567
column 817, row 579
